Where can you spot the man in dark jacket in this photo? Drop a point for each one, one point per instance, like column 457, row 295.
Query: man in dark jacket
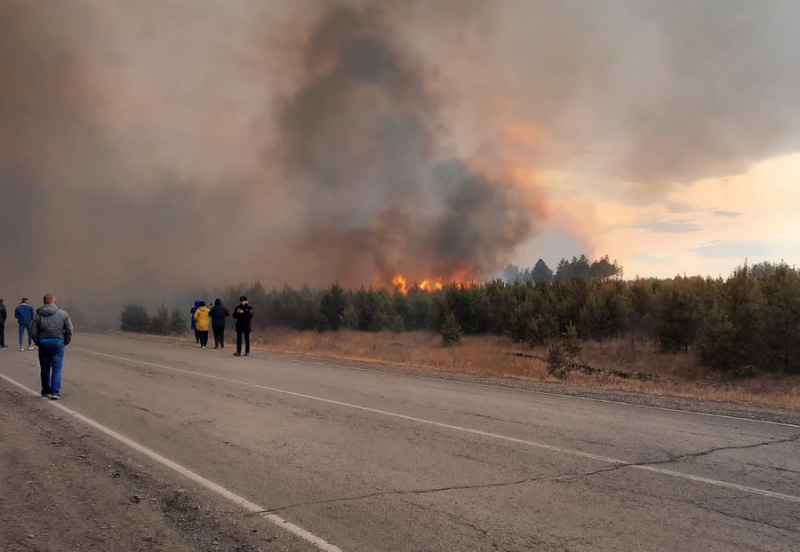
column 52, row 332
column 243, row 315
column 24, row 315
column 3, row 316
column 218, row 315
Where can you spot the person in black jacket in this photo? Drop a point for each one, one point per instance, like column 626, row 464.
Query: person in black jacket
column 243, row 315
column 3, row 316
column 218, row 315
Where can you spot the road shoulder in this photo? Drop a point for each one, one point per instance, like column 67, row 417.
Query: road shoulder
column 65, row 488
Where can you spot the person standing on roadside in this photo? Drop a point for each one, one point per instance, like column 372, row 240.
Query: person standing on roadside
column 3, row 316
column 194, row 326
column 218, row 315
column 202, row 323
column 52, row 332
column 24, row 315
column 243, row 315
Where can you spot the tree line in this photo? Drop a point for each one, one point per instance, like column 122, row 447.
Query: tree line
column 135, row 318
column 746, row 322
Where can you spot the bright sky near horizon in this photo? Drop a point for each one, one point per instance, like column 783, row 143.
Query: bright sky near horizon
column 708, row 227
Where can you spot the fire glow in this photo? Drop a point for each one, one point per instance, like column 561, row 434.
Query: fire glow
column 461, row 278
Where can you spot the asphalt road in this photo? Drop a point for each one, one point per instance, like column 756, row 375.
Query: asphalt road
column 368, row 461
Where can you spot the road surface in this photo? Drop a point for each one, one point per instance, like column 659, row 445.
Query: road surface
column 356, row 460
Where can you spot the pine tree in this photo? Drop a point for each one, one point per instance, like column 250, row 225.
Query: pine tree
column 159, row 325
column 178, row 323
column 451, row 330
column 134, row 318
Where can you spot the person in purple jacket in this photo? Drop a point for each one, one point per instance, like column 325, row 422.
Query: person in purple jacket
column 24, row 315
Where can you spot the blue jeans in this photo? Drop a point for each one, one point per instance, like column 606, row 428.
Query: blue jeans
column 22, row 328
column 51, row 360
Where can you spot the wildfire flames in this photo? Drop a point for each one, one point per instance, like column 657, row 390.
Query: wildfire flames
column 461, row 278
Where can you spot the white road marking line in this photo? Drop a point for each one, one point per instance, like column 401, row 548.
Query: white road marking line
column 476, row 384
column 571, row 452
column 251, row 507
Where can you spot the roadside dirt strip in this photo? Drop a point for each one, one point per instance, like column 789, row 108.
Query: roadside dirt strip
column 63, row 487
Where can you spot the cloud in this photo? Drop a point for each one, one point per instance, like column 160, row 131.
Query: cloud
column 654, row 92
column 679, row 207
column 678, row 226
column 741, row 249
column 727, row 214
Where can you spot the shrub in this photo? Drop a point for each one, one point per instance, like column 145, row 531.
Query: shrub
column 134, row 318
column 178, row 323
column 451, row 330
column 557, row 361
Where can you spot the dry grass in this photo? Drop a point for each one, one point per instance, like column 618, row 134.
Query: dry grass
column 484, row 356
column 676, row 375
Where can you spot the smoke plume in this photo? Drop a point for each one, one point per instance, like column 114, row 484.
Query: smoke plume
column 151, row 146
column 360, row 141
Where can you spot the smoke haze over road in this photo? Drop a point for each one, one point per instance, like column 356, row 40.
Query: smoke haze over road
column 160, row 145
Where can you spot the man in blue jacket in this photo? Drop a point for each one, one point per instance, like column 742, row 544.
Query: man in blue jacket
column 24, row 315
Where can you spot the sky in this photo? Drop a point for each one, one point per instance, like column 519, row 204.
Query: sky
column 187, row 144
column 706, row 227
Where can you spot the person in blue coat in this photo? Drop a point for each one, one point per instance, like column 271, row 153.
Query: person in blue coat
column 194, row 327
column 3, row 315
column 24, row 315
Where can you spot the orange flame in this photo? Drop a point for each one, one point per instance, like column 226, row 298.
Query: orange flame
column 461, row 278
column 401, row 284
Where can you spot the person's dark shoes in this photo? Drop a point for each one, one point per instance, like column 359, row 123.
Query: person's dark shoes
column 55, row 397
column 237, row 354
column 46, row 394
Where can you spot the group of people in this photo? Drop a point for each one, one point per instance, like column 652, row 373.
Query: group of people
column 50, row 329
column 205, row 319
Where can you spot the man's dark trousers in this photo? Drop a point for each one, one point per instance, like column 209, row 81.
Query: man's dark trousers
column 2, row 334
column 239, row 335
column 51, row 362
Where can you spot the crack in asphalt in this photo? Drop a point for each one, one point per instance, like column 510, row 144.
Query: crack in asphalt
column 558, row 478
column 400, row 492
column 673, row 459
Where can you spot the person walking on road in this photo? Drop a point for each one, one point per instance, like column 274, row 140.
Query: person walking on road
column 243, row 315
column 202, row 322
column 218, row 315
column 194, row 326
column 3, row 316
column 24, row 315
column 52, row 332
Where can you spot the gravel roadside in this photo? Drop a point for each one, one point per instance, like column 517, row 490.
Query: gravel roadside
column 65, row 488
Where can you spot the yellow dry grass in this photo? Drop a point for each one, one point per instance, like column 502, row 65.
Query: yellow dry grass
column 676, row 375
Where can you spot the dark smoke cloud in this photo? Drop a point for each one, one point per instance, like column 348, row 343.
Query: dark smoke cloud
column 133, row 134
column 361, row 144
column 648, row 91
